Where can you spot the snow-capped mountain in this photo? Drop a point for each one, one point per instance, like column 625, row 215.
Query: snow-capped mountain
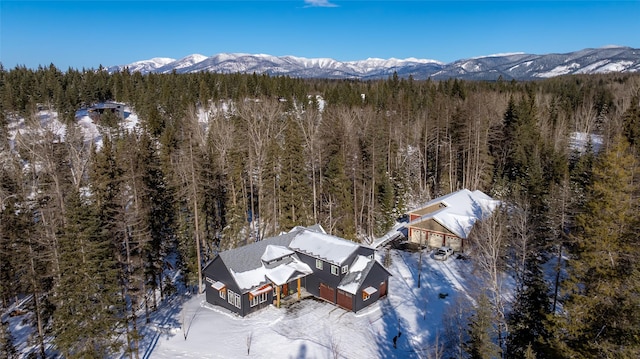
column 519, row 66
column 184, row 62
column 152, row 65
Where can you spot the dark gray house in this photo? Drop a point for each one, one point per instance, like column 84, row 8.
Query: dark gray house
column 97, row 110
column 339, row 271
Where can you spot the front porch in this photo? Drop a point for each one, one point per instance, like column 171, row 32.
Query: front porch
column 289, row 300
column 289, row 293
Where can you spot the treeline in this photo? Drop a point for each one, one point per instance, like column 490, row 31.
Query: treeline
column 90, row 233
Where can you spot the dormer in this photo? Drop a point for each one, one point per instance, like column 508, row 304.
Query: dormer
column 274, row 255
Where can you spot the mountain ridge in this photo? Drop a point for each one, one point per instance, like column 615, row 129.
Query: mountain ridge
column 517, row 65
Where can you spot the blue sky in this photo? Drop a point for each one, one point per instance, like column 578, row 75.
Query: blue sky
column 86, row 34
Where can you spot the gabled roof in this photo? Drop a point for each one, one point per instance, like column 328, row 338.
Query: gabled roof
column 247, row 264
column 460, row 212
column 324, row 246
column 357, row 273
column 274, row 259
column 274, row 252
column 283, row 273
column 287, row 270
column 249, row 257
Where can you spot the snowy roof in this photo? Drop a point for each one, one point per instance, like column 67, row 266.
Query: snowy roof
column 316, row 228
column 217, row 285
column 107, row 105
column 279, row 274
column 267, row 260
column 323, row 246
column 249, row 257
column 462, row 209
column 274, row 252
column 284, row 273
column 357, row 273
column 369, row 290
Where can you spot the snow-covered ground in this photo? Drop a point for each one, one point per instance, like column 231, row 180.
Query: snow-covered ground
column 189, row 327
column 185, row 326
column 47, row 120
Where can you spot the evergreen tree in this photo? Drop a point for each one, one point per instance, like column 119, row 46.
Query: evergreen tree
column 296, row 197
column 8, row 349
column 158, row 201
column 480, row 344
column 528, row 333
column 338, row 196
column 11, row 226
column 87, row 318
column 631, row 123
column 601, row 312
column 385, row 193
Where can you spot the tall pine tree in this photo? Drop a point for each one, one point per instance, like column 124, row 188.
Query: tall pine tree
column 296, row 198
column 601, row 317
column 87, row 320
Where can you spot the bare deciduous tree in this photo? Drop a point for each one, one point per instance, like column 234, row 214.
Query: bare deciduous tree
column 262, row 123
column 488, row 240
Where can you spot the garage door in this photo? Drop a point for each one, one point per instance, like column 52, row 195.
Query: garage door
column 418, row 236
column 454, row 242
column 327, row 293
column 435, row 240
column 345, row 300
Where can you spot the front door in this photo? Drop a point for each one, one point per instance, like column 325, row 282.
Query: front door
column 285, row 289
column 383, row 289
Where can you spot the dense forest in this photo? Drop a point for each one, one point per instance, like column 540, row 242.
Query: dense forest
column 86, row 233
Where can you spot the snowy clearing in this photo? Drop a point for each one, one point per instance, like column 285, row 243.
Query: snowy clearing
column 189, row 327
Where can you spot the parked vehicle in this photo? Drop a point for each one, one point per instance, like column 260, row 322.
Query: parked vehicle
column 442, row 253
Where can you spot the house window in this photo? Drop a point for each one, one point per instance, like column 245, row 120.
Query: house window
column 223, row 294
column 318, row 264
column 335, row 270
column 345, row 269
column 234, row 299
column 263, row 297
column 254, row 301
column 366, row 293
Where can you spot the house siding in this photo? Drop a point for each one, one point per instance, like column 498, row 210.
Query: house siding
column 429, row 228
column 431, row 225
column 377, row 276
column 365, row 251
column 321, row 276
column 426, row 210
column 217, row 271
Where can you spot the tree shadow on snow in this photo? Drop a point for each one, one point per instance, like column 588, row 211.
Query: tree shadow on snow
column 302, row 352
column 393, row 341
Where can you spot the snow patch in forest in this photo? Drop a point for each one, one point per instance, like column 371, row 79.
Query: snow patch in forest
column 580, row 142
column 46, row 123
